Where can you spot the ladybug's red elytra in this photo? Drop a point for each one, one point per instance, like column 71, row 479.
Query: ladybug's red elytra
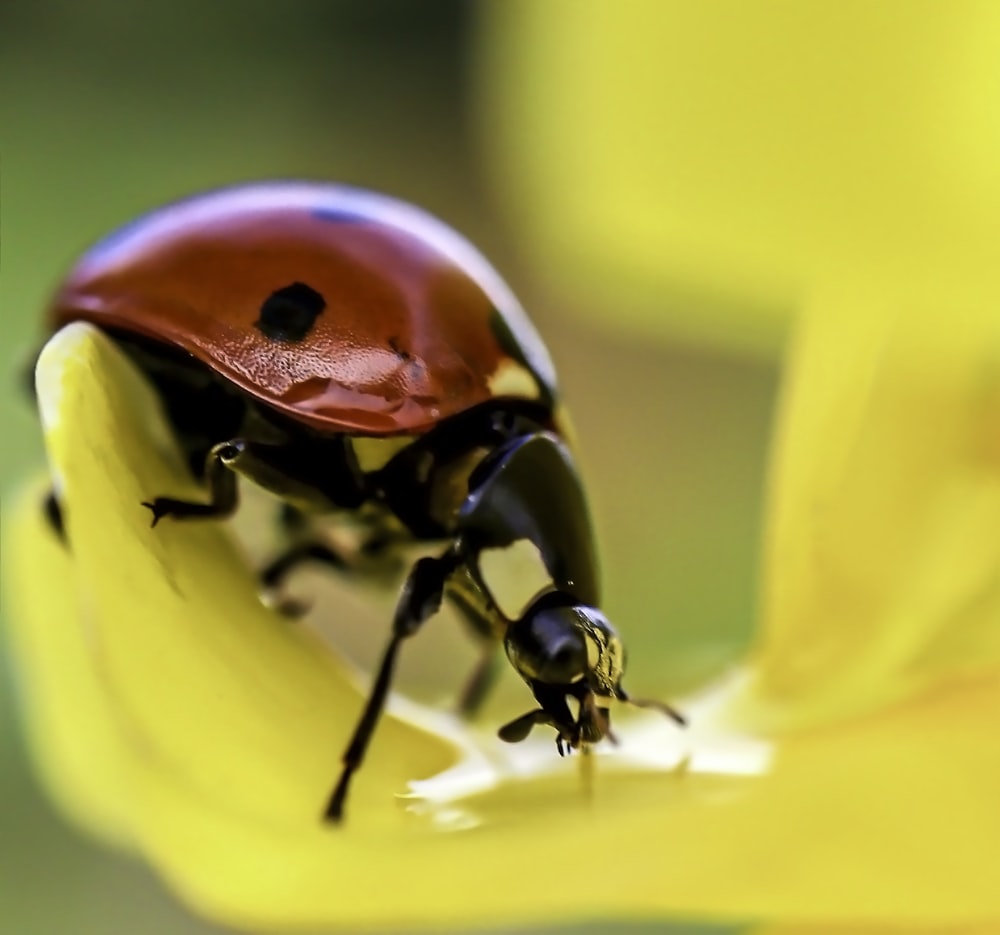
column 358, row 358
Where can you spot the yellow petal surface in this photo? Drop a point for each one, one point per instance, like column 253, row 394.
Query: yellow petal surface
column 872, row 928
column 693, row 166
column 883, row 549
column 71, row 732
column 228, row 725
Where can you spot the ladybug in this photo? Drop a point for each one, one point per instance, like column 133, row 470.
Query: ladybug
column 360, row 359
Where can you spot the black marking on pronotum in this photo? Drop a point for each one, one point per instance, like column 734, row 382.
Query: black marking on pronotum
column 512, row 348
column 290, row 313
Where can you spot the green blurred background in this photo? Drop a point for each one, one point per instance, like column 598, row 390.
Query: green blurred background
column 108, row 109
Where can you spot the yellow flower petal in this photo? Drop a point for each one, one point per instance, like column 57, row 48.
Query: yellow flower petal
column 872, row 928
column 688, row 168
column 893, row 820
column 72, row 738
column 882, row 574
column 181, row 644
column 229, row 722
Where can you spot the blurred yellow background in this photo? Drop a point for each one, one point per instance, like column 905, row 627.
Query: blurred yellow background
column 109, row 109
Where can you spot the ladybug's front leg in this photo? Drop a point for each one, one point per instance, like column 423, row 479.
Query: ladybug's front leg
column 223, row 492
column 420, row 599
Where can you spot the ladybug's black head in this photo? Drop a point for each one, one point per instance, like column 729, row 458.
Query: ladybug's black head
column 526, row 500
column 561, row 644
column 566, row 651
column 569, row 651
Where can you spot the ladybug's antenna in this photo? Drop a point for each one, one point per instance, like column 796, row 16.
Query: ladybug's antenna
column 660, row 706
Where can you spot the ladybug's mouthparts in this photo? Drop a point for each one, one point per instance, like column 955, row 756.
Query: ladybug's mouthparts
column 591, row 726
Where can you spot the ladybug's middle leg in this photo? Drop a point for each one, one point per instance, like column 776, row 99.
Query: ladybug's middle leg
column 273, row 575
column 376, row 556
column 420, row 599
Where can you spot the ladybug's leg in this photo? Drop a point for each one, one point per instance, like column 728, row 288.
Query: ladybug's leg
column 487, row 626
column 375, row 557
column 313, row 478
column 51, row 506
column 420, row 599
column 275, row 572
column 224, row 494
column 54, row 515
column 480, row 682
column 273, row 575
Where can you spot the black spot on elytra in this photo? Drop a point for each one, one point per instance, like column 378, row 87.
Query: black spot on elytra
column 290, row 313
column 399, row 350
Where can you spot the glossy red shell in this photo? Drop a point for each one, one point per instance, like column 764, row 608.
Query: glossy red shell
column 417, row 325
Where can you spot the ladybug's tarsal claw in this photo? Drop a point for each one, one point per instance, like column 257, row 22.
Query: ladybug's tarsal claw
column 157, row 510
column 333, row 814
column 180, row 509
